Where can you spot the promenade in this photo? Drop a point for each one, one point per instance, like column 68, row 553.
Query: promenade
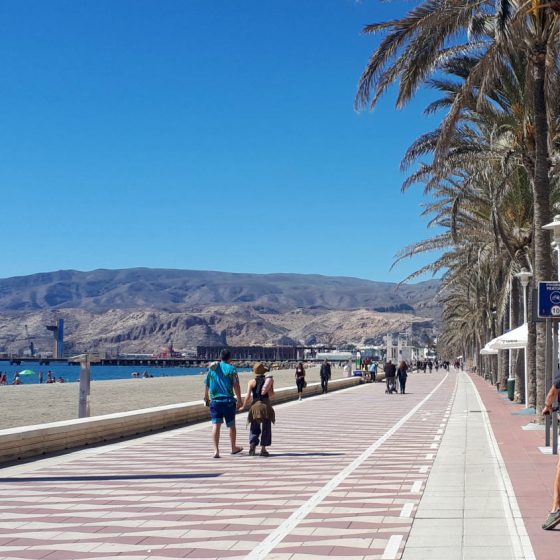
column 354, row 474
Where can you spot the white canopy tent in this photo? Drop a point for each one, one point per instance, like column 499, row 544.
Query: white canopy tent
column 516, row 338
column 488, row 351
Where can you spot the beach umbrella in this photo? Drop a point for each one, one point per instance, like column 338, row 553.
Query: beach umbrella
column 26, row 372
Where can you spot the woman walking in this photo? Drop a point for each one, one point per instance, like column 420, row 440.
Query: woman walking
column 402, row 375
column 300, row 379
column 261, row 414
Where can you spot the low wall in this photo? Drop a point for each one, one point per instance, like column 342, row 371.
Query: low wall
column 32, row 441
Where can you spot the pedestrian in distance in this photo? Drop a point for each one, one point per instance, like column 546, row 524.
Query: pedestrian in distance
column 300, row 380
column 261, row 414
column 221, row 383
column 402, row 375
column 554, row 516
column 390, row 373
column 373, row 371
column 325, row 375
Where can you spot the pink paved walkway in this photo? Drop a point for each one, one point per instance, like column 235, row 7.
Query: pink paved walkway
column 531, row 472
column 345, row 477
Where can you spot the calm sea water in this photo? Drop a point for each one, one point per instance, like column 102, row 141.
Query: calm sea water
column 71, row 373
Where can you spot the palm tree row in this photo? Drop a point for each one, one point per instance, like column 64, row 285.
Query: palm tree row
column 489, row 170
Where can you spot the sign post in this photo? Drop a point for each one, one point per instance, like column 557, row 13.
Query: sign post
column 549, row 308
column 85, row 361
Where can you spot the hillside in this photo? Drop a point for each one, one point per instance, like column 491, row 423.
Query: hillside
column 140, row 310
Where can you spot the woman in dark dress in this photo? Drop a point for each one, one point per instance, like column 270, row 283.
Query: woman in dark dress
column 402, row 375
column 300, row 379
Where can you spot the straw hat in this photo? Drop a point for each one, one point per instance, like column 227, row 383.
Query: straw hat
column 259, row 368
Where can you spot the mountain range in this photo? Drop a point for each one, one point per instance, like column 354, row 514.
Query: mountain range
column 141, row 309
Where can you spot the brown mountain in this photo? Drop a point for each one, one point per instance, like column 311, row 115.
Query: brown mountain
column 140, row 310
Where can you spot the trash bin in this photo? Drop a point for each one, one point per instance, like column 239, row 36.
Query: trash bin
column 510, row 388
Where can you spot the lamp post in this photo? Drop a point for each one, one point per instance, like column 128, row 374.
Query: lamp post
column 554, row 227
column 524, row 277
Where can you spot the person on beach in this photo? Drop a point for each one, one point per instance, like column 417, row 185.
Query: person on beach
column 261, row 414
column 402, row 375
column 221, row 383
column 325, row 374
column 554, row 516
column 300, row 379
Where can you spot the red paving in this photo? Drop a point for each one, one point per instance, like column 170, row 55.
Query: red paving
column 129, row 513
column 531, row 472
column 110, row 503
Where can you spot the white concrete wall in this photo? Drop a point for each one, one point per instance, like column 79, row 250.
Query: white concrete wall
column 32, row 441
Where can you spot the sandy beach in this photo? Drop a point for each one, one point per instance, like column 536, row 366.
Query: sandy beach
column 24, row 405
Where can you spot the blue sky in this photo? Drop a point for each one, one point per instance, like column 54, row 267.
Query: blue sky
column 203, row 134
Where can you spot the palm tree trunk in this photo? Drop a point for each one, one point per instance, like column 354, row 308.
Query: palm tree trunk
column 532, row 360
column 541, row 191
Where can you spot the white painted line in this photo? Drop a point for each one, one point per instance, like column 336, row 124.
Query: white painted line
column 424, row 469
column 392, row 548
column 416, row 487
column 261, row 551
column 406, row 511
column 522, row 547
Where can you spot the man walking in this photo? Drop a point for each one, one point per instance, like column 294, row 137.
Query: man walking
column 390, row 373
column 325, row 374
column 221, row 383
column 553, row 518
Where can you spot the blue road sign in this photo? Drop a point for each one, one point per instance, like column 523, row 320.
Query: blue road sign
column 549, row 299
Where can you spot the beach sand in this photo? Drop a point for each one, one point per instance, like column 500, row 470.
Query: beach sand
column 24, row 405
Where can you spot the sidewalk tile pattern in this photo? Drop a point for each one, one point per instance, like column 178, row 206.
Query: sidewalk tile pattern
column 165, row 497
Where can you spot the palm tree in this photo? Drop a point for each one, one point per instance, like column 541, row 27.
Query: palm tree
column 486, row 218
column 418, row 45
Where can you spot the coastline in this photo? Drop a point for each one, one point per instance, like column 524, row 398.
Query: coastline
column 25, row 405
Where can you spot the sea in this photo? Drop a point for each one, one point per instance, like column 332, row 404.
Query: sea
column 71, row 373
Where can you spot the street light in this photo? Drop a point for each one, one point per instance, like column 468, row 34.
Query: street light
column 554, row 227
column 524, row 277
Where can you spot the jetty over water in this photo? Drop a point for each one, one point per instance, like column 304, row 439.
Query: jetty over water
column 241, row 355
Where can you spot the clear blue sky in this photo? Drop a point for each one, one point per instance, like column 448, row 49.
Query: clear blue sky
column 203, row 134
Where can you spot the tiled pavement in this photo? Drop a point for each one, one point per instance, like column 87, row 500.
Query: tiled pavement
column 344, row 480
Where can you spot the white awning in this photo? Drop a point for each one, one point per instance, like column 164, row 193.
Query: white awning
column 487, row 350
column 516, row 338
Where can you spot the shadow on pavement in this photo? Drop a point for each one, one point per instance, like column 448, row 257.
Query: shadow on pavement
column 304, row 454
column 94, row 478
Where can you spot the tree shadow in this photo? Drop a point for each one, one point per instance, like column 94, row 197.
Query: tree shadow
column 323, row 454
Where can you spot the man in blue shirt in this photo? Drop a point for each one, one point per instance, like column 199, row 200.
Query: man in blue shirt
column 221, row 383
